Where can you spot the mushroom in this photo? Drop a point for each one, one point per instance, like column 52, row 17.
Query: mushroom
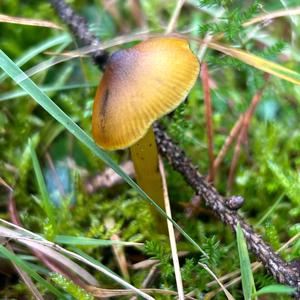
column 140, row 85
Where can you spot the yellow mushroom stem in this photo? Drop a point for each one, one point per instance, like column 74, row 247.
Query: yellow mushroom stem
column 144, row 155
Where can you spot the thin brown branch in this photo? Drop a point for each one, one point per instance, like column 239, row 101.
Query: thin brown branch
column 78, row 26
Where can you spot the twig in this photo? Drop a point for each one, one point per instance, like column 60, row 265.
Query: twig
column 78, row 26
column 208, row 117
column 282, row 271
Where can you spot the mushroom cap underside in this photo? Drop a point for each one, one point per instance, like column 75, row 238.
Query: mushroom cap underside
column 140, row 85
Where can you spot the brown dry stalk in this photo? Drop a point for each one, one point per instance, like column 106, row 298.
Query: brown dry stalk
column 137, row 13
column 228, row 142
column 246, row 118
column 117, row 249
column 208, row 117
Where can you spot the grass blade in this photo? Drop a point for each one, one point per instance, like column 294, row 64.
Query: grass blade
column 172, row 237
column 84, row 241
column 26, row 279
column 45, row 89
column 46, row 202
column 275, row 289
column 37, row 49
column 55, row 251
column 259, row 63
column 246, row 272
column 24, row 266
column 111, row 274
column 29, row 86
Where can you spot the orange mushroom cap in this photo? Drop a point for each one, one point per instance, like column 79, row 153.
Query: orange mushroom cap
column 140, row 85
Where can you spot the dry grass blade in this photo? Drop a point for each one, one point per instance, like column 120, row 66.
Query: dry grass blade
column 104, row 293
column 208, row 38
column 82, row 53
column 272, row 15
column 171, row 233
column 35, row 238
column 259, row 63
column 254, row 266
column 150, row 262
column 42, row 246
column 26, row 278
column 3, row 183
column 11, row 205
column 226, row 292
column 117, row 249
column 175, row 15
column 30, row 22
